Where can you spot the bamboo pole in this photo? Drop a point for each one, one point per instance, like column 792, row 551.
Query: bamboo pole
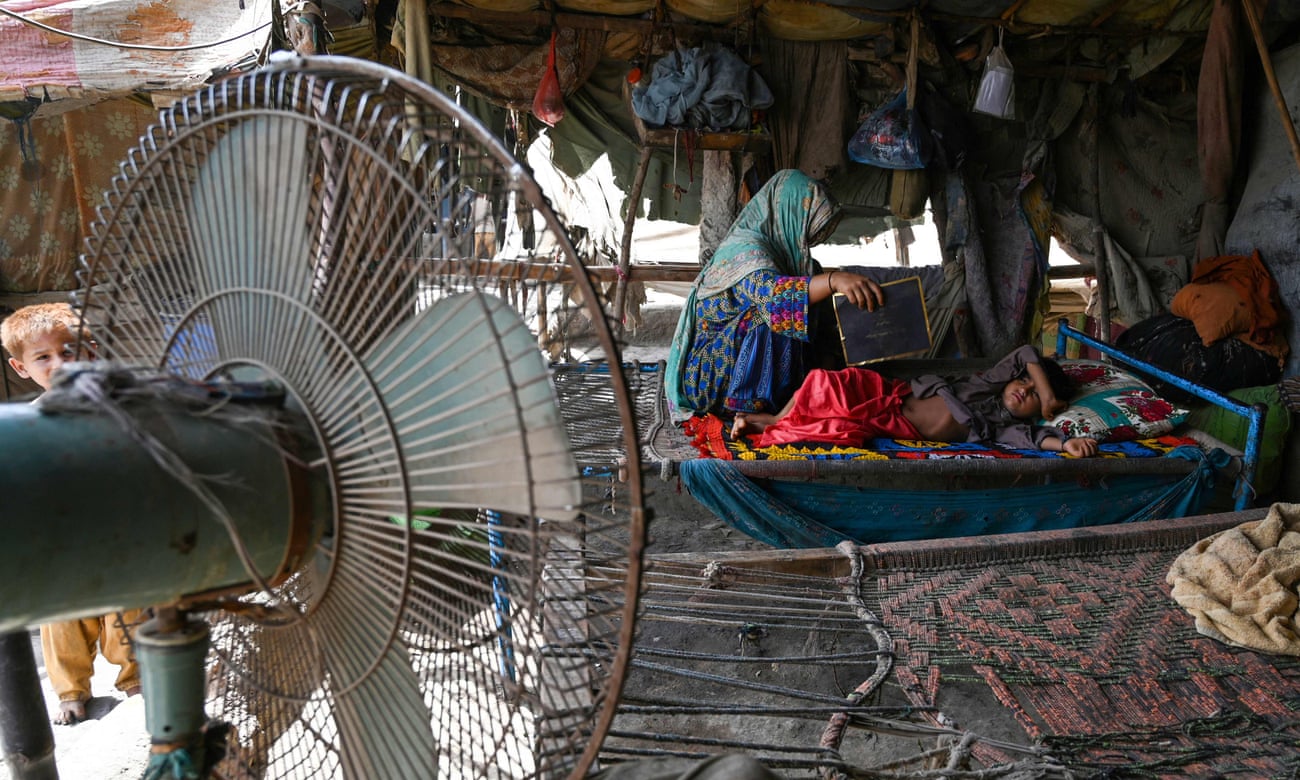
column 1252, row 16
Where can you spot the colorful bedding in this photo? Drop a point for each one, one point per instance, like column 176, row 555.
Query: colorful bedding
column 710, row 435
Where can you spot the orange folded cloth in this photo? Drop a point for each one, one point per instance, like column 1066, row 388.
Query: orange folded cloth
column 1234, row 295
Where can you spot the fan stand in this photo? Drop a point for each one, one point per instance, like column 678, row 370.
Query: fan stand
column 171, row 650
column 25, row 734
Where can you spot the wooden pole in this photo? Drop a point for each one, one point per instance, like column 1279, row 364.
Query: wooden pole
column 1252, row 16
column 625, row 253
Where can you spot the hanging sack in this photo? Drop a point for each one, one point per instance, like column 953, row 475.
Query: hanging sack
column 997, row 93
column 908, row 193
column 892, row 137
column 548, row 104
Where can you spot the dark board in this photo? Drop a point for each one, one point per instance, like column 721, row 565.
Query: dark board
column 899, row 329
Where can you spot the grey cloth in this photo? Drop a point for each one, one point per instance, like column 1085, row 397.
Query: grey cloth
column 812, row 96
column 729, row 767
column 976, row 402
column 707, row 88
column 1133, row 297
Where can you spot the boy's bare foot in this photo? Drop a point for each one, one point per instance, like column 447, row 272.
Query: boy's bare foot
column 134, row 690
column 71, row 712
column 739, row 426
column 746, row 424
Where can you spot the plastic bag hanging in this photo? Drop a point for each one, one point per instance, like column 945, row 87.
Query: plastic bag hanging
column 548, row 104
column 997, row 92
column 892, row 137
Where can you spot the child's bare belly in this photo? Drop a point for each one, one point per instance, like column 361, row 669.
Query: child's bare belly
column 932, row 419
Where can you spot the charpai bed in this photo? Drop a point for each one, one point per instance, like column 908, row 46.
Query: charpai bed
column 817, row 495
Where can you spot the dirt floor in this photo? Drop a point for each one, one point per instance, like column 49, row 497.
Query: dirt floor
column 111, row 744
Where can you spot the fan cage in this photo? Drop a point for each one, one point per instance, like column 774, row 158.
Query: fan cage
column 291, row 225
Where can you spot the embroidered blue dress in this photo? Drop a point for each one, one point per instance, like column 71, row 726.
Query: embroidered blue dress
column 742, row 340
column 764, row 375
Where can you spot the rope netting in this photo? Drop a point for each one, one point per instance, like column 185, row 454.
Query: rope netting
column 790, row 667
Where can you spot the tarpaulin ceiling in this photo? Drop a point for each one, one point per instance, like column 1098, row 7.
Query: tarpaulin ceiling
column 847, row 19
column 1084, row 40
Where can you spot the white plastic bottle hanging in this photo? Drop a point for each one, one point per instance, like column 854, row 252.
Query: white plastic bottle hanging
column 997, row 92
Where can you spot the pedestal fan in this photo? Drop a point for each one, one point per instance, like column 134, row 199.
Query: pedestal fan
column 321, row 433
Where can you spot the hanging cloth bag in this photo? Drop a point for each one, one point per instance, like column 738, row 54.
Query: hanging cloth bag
column 548, row 104
column 908, row 193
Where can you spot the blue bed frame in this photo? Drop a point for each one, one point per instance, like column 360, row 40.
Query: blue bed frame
column 1255, row 414
column 802, row 502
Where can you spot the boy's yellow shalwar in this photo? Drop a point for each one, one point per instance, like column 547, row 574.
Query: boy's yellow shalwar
column 69, row 651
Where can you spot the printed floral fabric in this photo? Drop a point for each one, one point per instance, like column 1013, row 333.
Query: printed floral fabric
column 50, row 184
column 1114, row 405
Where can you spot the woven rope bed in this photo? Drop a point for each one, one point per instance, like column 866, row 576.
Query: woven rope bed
column 1048, row 654
column 1076, row 635
column 666, row 445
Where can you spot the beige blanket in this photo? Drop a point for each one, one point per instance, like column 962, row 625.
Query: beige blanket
column 1241, row 584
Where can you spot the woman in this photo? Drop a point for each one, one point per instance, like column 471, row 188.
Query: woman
column 743, row 336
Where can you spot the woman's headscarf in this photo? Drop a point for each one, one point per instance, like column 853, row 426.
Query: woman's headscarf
column 775, row 230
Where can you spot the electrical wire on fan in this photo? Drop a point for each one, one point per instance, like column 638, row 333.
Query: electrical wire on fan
column 106, row 388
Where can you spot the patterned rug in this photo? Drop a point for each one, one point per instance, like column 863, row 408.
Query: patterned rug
column 1075, row 634
column 712, row 439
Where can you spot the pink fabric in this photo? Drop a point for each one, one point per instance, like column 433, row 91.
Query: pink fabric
column 843, row 407
column 34, row 62
column 26, row 50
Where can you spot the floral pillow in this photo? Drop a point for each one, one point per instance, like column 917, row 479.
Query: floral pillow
column 1111, row 404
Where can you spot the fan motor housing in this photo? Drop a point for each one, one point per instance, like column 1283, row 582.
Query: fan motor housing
column 110, row 528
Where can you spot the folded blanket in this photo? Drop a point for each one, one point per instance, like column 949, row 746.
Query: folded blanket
column 1241, row 584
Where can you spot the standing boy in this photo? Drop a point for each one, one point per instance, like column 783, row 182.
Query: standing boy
column 40, row 339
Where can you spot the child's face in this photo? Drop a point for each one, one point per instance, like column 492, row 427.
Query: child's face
column 1021, row 399
column 44, row 355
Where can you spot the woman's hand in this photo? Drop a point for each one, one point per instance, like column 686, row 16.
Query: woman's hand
column 859, row 290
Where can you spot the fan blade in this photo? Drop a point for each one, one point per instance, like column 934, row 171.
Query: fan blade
column 241, row 244
column 240, row 241
column 384, row 724
column 470, row 396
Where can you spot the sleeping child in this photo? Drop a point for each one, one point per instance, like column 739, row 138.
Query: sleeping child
column 1004, row 404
